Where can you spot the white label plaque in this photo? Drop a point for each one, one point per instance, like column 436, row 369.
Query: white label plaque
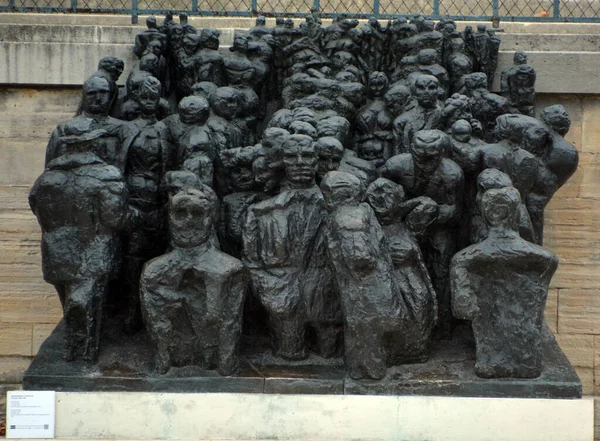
column 30, row 414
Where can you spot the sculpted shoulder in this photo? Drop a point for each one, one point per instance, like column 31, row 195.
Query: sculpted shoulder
column 397, row 166
column 451, row 169
column 225, row 264
column 155, row 269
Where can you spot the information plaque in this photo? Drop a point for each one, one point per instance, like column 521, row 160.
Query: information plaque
column 31, row 414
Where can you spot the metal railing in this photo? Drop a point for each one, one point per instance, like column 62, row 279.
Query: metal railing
column 481, row 10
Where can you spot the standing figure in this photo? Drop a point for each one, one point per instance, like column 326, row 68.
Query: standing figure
column 240, row 75
column 427, row 62
column 400, row 221
column 147, row 161
column 459, row 65
column 519, row 59
column 521, row 89
column 562, row 158
column 143, row 39
column 226, row 104
column 466, row 151
column 243, row 191
column 286, row 259
column 189, row 133
column 363, row 274
column 187, row 65
column 109, row 68
column 92, row 129
column 373, row 45
column 426, row 172
column 491, row 61
column 426, row 115
column 260, row 28
column 193, row 296
column 81, row 204
column 485, row 105
column 373, row 130
column 330, row 152
column 501, row 285
column 209, row 60
column 488, row 179
column 509, row 155
column 480, row 44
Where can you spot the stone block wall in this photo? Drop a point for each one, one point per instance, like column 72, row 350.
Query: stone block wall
column 30, row 110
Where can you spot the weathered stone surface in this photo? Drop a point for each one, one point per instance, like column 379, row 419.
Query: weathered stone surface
column 579, row 311
column 579, row 349
column 16, row 339
column 586, row 375
column 13, row 368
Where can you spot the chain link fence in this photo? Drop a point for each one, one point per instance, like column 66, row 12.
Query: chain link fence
column 494, row 10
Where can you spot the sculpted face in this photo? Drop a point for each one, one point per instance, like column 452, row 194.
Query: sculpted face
column 190, row 44
column 225, row 102
column 378, row 84
column 330, row 151
column 155, row 47
column 426, row 89
column 500, row 207
column 194, row 110
column 461, row 131
column 240, row 43
column 190, row 219
column 396, row 98
column 384, row 196
column 340, row 188
column 243, row 178
column 149, row 96
column 427, row 57
column 299, row 160
column 96, row 96
column 209, row 39
column 520, row 57
column 148, row 101
column 557, row 118
column 428, row 149
column 335, row 126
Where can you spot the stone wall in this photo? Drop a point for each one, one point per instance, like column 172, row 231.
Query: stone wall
column 34, row 99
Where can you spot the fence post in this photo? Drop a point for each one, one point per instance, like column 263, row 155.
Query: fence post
column 436, row 8
column 556, row 8
column 317, row 5
column 496, row 13
column 134, row 11
column 11, row 5
column 254, row 6
column 376, row 7
column 74, row 5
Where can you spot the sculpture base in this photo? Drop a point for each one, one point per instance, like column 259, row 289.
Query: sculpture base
column 126, row 364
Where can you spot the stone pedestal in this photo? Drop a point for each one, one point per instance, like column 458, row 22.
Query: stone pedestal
column 126, row 364
column 153, row 416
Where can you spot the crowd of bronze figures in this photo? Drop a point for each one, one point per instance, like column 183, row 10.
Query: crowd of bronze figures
column 352, row 189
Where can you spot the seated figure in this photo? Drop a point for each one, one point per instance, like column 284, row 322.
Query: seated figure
column 501, row 285
column 193, row 296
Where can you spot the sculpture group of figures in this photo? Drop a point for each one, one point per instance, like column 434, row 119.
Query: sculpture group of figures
column 352, row 189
